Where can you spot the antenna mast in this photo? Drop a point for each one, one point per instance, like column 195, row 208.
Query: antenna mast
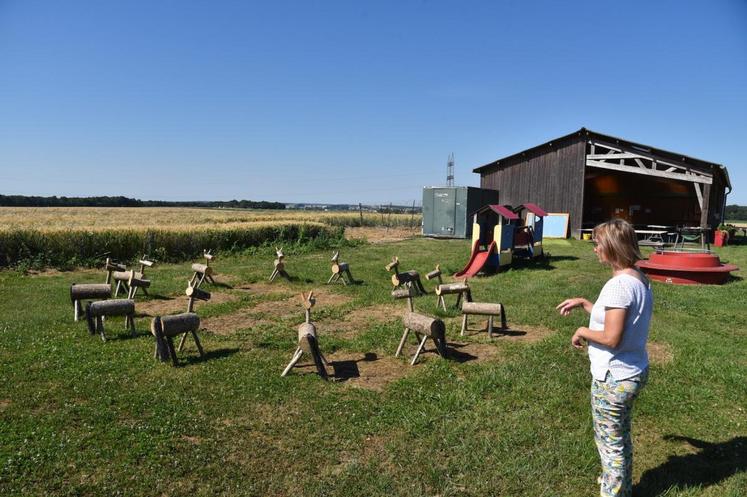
column 450, row 170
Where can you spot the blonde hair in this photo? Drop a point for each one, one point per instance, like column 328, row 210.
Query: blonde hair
column 617, row 241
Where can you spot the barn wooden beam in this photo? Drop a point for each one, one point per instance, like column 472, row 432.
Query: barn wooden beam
column 650, row 156
column 699, row 194
column 650, row 172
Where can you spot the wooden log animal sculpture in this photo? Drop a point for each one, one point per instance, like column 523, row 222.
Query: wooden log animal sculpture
column 483, row 309
column 165, row 328
column 92, row 291
column 203, row 271
column 112, row 266
column 408, row 278
column 423, row 327
column 123, row 277
column 279, row 268
column 134, row 283
column 340, row 270
column 97, row 311
column 454, row 288
column 308, row 342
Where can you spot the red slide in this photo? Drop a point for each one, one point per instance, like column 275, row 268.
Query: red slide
column 476, row 261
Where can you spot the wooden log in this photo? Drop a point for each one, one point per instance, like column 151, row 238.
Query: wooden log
column 164, row 345
column 403, row 293
column 202, row 269
column 197, row 294
column 406, row 277
column 424, row 327
column 279, row 265
column 482, row 308
column 114, row 307
column 90, row 291
column 436, row 273
column 392, row 265
column 136, row 283
column 304, row 330
column 178, row 324
column 451, row 288
column 308, row 343
column 111, row 266
column 339, row 267
column 125, row 275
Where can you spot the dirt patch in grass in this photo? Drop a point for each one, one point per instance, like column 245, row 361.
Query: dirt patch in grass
column 359, row 319
column 175, row 304
column 381, row 235
column 269, row 311
column 262, row 288
column 660, row 352
column 56, row 272
column 4, row 403
column 370, row 371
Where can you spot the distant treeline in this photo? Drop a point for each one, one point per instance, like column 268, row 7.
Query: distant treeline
column 738, row 212
column 24, row 201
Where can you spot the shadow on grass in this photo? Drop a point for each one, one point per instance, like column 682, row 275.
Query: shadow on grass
column 158, row 296
column 218, row 284
column 345, row 370
column 713, row 463
column 188, row 360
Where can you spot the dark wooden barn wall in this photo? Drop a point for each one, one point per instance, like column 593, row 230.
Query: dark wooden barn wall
column 552, row 177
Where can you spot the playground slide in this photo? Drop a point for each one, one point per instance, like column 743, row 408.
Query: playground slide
column 476, row 261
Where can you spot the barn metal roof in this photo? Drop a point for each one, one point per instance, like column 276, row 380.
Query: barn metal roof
column 620, row 141
column 500, row 210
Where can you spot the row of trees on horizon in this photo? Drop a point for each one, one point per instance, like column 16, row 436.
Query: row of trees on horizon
column 33, row 201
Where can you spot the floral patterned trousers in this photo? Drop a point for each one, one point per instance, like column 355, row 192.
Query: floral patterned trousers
column 611, row 406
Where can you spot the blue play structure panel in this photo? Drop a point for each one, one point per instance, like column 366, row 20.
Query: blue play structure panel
column 556, row 225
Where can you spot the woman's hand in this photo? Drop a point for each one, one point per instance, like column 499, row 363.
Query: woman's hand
column 577, row 340
column 566, row 306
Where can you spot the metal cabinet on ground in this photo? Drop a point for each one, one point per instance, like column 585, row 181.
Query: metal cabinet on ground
column 446, row 210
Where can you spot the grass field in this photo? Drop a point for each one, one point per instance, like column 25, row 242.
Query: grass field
column 503, row 417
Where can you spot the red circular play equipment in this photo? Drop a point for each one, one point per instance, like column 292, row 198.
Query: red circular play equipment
column 686, row 268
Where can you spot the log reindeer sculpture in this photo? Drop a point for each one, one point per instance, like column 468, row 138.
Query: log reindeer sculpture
column 165, row 328
column 449, row 288
column 123, row 278
column 422, row 326
column 89, row 291
column 111, row 266
column 340, row 271
column 408, row 278
column 203, row 271
column 483, row 309
column 97, row 311
column 307, row 341
column 279, row 266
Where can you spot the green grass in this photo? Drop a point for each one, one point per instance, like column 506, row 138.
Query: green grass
column 82, row 417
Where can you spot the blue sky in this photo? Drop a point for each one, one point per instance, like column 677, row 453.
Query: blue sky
column 343, row 102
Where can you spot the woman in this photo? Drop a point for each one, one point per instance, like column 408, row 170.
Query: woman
column 616, row 335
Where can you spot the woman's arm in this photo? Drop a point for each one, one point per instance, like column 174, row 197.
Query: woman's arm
column 566, row 306
column 611, row 336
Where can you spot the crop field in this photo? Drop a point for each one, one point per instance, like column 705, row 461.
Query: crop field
column 507, row 416
column 82, row 236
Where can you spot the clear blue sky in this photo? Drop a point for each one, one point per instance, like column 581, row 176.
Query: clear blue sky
column 351, row 101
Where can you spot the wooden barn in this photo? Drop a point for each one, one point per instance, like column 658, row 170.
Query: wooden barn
column 594, row 177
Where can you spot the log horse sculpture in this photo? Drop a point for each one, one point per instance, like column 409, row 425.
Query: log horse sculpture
column 340, row 271
column 422, row 326
column 202, row 272
column 279, row 266
column 165, row 328
column 307, row 341
column 449, row 288
column 410, row 279
column 129, row 281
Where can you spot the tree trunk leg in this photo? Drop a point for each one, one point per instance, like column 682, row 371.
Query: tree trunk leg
column 317, row 356
column 193, row 279
column 402, row 342
column 181, row 342
column 202, row 279
column 503, row 319
column 145, row 291
column 116, row 289
column 490, row 326
column 133, row 331
column 350, row 277
column 172, row 352
column 331, row 278
column 100, row 327
column 296, row 356
column 197, row 342
column 77, row 310
column 420, row 348
column 442, row 301
column 459, row 299
column 464, row 324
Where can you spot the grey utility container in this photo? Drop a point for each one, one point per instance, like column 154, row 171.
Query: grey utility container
column 446, row 209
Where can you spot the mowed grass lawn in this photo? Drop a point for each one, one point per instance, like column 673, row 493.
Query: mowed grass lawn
column 506, row 417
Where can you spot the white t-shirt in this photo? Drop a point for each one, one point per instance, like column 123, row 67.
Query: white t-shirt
column 629, row 358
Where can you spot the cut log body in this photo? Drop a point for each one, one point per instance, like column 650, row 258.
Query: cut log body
column 202, row 269
column 341, row 272
column 436, row 273
column 196, row 293
column 308, row 344
column 88, row 291
column 111, row 267
column 405, row 293
column 279, row 269
column 483, row 309
column 423, row 327
column 339, row 267
column 135, row 283
column 453, row 288
column 399, row 279
column 97, row 311
column 165, row 328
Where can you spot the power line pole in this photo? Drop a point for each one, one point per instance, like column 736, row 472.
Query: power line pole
column 450, row 170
